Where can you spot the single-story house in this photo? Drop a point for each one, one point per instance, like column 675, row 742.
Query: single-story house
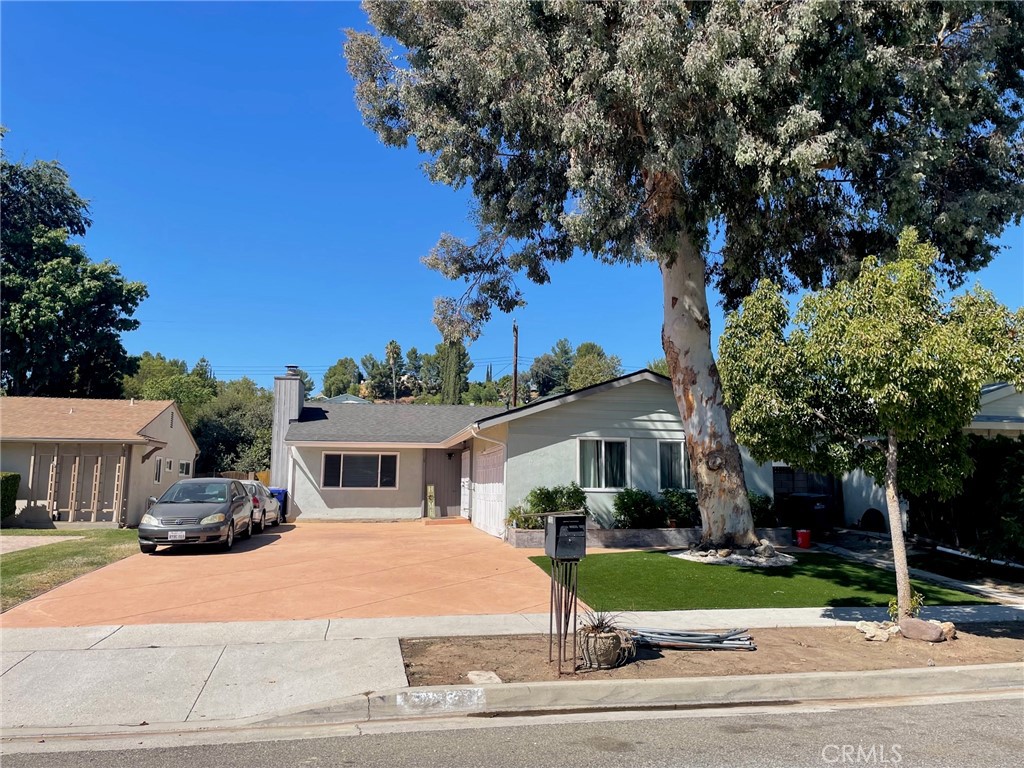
column 379, row 461
column 92, row 460
column 1000, row 412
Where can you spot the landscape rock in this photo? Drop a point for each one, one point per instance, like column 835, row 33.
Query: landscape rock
column 745, row 552
column 724, row 552
column 764, row 550
column 948, row 628
column 480, row 677
column 919, row 629
column 873, row 631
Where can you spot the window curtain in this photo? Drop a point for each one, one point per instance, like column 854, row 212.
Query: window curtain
column 614, row 465
column 590, row 467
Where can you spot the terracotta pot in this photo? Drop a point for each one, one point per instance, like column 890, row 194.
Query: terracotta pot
column 600, row 650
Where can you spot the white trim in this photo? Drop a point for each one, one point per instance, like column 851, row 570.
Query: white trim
column 602, row 440
column 339, row 447
column 185, row 474
column 341, row 471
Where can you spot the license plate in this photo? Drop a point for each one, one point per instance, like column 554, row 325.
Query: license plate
column 175, row 535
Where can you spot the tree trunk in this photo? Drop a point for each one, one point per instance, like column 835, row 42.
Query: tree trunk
column 899, row 547
column 714, row 455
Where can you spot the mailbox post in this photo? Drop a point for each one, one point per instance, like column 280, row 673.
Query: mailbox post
column 565, row 542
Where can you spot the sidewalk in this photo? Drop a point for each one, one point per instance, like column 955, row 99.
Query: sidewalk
column 105, row 679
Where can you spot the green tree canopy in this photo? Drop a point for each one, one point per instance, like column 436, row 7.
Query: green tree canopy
column 341, row 376
column 806, row 134
column 152, row 367
column 881, row 372
column 592, row 366
column 61, row 315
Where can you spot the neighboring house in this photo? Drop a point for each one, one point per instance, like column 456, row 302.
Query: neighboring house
column 344, row 397
column 92, row 460
column 376, row 462
column 1001, row 412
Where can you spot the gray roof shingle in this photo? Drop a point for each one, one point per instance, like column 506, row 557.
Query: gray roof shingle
column 324, row 422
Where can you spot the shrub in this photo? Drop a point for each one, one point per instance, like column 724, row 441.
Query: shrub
column 681, row 506
column 635, row 508
column 762, row 508
column 540, row 501
column 519, row 517
column 916, row 604
column 9, row 482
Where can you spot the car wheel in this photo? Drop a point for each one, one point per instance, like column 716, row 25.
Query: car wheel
column 147, row 549
column 229, row 541
column 277, row 519
column 247, row 533
column 262, row 524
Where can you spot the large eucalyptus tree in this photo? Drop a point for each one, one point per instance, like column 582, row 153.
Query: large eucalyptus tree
column 805, row 135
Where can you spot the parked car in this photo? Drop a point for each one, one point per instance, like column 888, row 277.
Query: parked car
column 208, row 510
column 265, row 506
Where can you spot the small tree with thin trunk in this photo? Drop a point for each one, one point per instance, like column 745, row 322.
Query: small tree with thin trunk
column 879, row 373
column 806, row 134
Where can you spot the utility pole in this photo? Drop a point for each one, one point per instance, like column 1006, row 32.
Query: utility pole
column 515, row 364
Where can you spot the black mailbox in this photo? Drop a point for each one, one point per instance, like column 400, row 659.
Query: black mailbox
column 565, row 537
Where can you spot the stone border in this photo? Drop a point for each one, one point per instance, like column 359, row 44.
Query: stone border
column 640, row 538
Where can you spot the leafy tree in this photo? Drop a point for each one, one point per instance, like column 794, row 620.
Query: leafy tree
column 191, row 391
column 341, row 376
column 151, row 368
column 592, row 366
column 806, row 134
column 414, row 369
column 308, row 385
column 481, row 393
column 61, row 315
column 660, row 365
column 879, row 373
column 393, row 357
column 549, row 373
column 504, row 387
column 233, row 429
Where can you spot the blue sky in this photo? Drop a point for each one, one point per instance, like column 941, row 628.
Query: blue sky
column 228, row 169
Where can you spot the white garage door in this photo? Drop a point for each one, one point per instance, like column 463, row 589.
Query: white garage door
column 489, row 491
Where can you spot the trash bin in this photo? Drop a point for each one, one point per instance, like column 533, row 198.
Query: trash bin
column 281, row 495
column 803, row 539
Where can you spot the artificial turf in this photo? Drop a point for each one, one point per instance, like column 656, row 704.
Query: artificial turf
column 653, row 581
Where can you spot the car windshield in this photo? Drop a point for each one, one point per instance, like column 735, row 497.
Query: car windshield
column 209, row 493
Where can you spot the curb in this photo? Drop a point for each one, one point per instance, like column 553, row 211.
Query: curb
column 670, row 693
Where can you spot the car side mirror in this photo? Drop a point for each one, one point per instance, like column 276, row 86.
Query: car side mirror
column 150, row 502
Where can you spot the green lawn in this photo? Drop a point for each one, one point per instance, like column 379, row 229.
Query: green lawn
column 653, row 581
column 30, row 572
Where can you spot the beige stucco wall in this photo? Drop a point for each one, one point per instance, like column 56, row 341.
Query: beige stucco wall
column 308, row 499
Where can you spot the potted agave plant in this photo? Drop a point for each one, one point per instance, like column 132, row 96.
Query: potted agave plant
column 603, row 643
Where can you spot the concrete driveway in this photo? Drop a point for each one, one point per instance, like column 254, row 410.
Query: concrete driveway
column 306, row 570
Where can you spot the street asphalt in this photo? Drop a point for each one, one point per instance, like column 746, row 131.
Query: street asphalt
column 180, row 677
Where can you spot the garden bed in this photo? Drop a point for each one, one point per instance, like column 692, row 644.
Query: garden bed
column 522, row 659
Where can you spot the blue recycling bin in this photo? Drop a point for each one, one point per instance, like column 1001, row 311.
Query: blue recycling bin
column 281, row 495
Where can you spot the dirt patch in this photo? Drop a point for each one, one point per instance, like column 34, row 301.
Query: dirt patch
column 524, row 658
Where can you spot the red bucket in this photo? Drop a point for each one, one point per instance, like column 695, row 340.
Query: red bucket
column 803, row 539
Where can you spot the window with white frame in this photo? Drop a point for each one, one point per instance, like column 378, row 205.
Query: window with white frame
column 185, row 468
column 159, row 466
column 603, row 463
column 673, row 465
column 360, row 470
column 169, row 466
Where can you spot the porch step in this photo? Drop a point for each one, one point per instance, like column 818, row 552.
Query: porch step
column 445, row 521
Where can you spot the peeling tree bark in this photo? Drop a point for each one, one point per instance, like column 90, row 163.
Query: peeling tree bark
column 899, row 546
column 714, row 455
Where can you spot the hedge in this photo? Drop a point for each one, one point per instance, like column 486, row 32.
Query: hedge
column 9, row 482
